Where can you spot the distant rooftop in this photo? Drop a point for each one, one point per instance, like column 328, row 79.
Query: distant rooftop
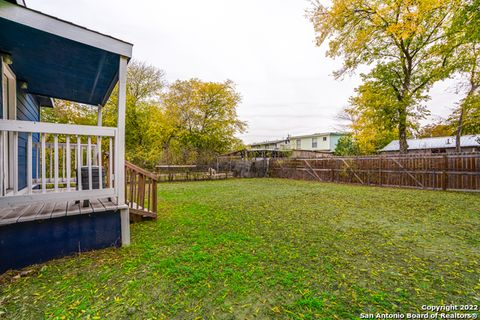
column 269, row 142
column 319, row 134
column 298, row 137
column 435, row 143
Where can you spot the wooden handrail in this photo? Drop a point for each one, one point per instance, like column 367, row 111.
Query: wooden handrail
column 141, row 190
column 140, row 170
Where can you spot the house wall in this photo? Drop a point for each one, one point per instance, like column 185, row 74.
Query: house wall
column 26, row 243
column 334, row 141
column 28, row 109
column 328, row 145
column 306, row 143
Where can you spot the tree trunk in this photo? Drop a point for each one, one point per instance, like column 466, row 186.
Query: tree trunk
column 403, row 102
column 458, row 133
column 458, row 145
column 402, row 130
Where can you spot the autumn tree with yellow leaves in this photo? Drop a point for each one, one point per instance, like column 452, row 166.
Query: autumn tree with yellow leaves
column 203, row 119
column 404, row 43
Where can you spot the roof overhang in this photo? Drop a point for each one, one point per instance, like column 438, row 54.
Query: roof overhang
column 45, row 101
column 59, row 59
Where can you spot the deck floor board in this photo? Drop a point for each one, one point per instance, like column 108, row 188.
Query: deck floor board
column 42, row 210
column 31, row 212
column 108, row 204
column 96, row 205
column 60, row 209
column 73, row 208
column 10, row 215
column 86, row 208
column 46, row 212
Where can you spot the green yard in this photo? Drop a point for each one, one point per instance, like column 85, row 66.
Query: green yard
column 268, row 248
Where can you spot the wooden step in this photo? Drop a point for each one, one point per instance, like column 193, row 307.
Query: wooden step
column 139, row 213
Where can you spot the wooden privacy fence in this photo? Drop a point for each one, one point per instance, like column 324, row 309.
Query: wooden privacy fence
column 436, row 172
column 140, row 191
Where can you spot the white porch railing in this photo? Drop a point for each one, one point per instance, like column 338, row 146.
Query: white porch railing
column 62, row 154
column 68, row 162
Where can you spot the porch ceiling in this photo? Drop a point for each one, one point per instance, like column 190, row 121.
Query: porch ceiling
column 58, row 59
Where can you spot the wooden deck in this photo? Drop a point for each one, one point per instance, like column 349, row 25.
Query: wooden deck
column 142, row 189
column 48, row 210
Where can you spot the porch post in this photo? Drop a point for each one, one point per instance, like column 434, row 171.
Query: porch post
column 99, row 116
column 120, row 147
column 97, row 151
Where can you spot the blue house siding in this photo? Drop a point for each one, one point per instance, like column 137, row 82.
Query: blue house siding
column 28, row 109
column 26, row 243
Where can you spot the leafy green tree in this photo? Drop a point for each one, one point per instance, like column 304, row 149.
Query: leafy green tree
column 401, row 38
column 144, row 87
column 204, row 117
column 464, row 37
column 70, row 113
column 346, row 146
column 467, row 20
column 373, row 116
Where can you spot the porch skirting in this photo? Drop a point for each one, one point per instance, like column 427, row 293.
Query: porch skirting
column 30, row 242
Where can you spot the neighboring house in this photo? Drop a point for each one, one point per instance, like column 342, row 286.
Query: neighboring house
column 247, row 154
column 44, row 211
column 322, row 142
column 326, row 142
column 271, row 145
column 469, row 143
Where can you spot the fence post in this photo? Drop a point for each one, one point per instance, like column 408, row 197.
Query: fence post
column 445, row 173
column 380, row 171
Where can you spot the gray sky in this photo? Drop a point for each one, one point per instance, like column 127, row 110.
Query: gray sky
column 266, row 47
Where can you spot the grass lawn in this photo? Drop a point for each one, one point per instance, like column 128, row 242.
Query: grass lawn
column 269, row 248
